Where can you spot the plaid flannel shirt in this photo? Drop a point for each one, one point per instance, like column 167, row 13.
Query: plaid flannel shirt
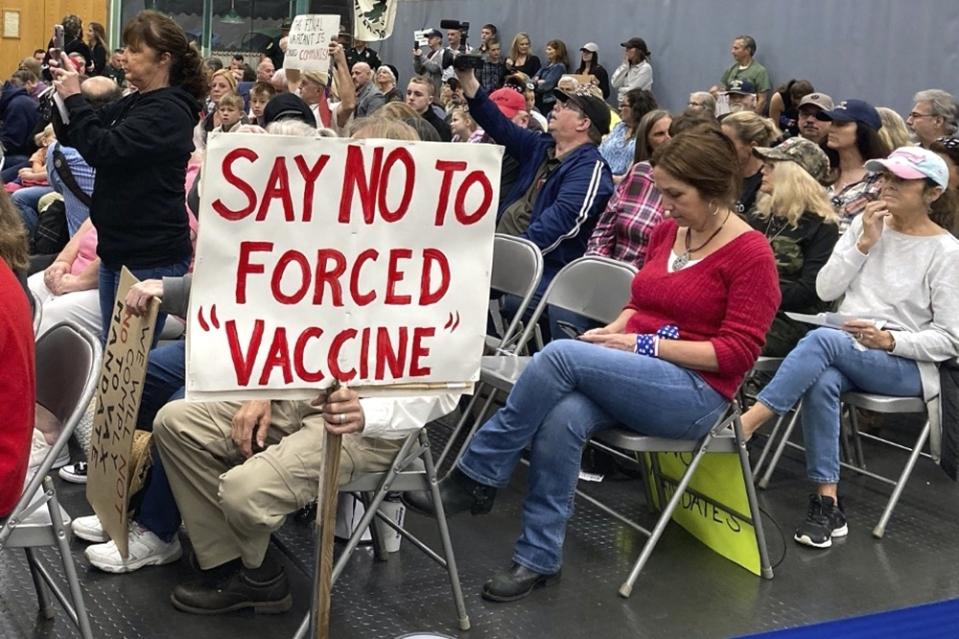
column 851, row 201
column 632, row 213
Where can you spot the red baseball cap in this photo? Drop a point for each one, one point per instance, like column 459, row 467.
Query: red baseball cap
column 509, row 101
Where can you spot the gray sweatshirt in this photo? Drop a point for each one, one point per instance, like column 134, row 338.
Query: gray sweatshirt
column 909, row 281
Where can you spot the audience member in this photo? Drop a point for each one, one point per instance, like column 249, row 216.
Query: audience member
column 359, row 52
column 265, row 70
column 810, row 126
column 313, row 92
column 919, row 306
column 933, row 116
column 451, row 96
column 403, row 112
column 546, row 79
column 747, row 68
column 464, row 128
column 419, row 96
column 493, row 71
column 740, row 96
column 589, row 66
column 456, row 42
column 368, row 96
column 386, row 81
column 749, row 131
column 279, row 81
column 619, row 147
column 431, row 62
column 784, row 105
column 230, row 110
column 702, row 102
column 521, row 58
column 138, row 198
column 221, row 83
column 212, row 64
column 636, row 208
column 260, row 94
column 797, row 218
column 39, row 86
column 17, row 369
column 512, row 104
column 692, row 328
column 114, row 68
column 18, row 119
column 97, row 42
column 635, row 72
column 894, row 133
column 853, row 138
column 487, row 32
column 945, row 210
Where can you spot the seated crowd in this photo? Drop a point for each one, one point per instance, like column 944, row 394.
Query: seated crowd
column 752, row 202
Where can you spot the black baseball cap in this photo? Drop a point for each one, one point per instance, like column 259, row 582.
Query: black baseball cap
column 592, row 107
column 287, row 106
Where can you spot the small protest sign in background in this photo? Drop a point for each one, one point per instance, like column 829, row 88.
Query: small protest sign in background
column 365, row 261
column 308, row 45
column 109, row 469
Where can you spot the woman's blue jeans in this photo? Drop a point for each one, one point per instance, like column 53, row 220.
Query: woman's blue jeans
column 110, row 280
column 825, row 364
column 568, row 392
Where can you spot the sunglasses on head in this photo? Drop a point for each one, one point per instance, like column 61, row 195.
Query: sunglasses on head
column 950, row 143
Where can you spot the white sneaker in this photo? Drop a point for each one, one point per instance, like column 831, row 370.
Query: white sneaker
column 89, row 528
column 74, row 473
column 145, row 549
column 39, row 449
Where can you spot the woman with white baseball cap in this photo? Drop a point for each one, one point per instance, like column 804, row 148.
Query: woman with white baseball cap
column 895, row 272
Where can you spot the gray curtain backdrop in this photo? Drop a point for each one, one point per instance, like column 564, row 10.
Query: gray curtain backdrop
column 882, row 51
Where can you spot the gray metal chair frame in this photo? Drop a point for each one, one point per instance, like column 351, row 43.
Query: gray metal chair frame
column 592, row 286
column 878, row 404
column 68, row 362
column 517, row 270
column 724, row 437
column 412, row 470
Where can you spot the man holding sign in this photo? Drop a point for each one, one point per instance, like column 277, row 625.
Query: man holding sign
column 264, row 327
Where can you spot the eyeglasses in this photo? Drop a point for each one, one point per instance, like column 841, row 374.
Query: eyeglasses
column 916, row 116
column 950, row 143
column 566, row 106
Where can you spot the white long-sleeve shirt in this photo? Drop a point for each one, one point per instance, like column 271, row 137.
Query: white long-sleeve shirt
column 632, row 76
column 395, row 418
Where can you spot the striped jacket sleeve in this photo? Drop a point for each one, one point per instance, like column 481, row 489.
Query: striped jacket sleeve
column 579, row 194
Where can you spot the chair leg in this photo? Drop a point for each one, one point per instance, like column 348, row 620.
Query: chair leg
column 460, row 424
column 627, row 588
column 764, row 481
column 462, row 616
column 856, row 439
column 765, row 565
column 69, row 568
column 43, row 597
column 770, row 443
column 880, row 528
column 379, row 547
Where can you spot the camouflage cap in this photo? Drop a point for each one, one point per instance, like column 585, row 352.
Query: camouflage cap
column 803, row 152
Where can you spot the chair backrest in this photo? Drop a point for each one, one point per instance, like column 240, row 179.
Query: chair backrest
column 594, row 287
column 68, row 365
column 517, row 270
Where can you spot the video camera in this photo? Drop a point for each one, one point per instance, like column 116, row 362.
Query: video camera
column 455, row 24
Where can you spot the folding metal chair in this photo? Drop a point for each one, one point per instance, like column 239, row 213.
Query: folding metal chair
column 412, row 470
column 595, row 287
column 517, row 270
column 68, row 361
column 725, row 436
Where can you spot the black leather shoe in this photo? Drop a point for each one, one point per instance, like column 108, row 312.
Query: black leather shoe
column 459, row 494
column 235, row 590
column 515, row 583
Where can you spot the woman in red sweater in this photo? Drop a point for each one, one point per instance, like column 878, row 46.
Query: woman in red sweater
column 17, row 385
column 667, row 366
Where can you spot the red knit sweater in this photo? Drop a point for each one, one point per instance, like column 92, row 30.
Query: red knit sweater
column 729, row 298
column 17, row 388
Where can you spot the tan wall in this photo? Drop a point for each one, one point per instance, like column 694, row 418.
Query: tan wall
column 37, row 18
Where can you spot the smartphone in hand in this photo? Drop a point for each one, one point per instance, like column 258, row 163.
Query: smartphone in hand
column 571, row 330
column 57, row 43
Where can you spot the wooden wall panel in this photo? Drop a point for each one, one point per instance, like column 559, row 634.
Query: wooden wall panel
column 37, row 18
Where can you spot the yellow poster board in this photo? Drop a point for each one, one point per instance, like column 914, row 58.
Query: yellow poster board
column 715, row 507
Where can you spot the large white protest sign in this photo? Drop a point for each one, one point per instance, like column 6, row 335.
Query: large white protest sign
column 308, row 45
column 367, row 261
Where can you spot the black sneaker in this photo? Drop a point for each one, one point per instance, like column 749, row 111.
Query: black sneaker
column 824, row 520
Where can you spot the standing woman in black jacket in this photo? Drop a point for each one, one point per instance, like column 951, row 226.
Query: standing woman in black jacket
column 97, row 41
column 589, row 65
column 139, row 147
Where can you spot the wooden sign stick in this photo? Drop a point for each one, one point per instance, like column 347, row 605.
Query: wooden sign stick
column 326, row 521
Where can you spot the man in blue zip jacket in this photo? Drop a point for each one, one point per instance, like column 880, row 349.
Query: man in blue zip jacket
column 563, row 183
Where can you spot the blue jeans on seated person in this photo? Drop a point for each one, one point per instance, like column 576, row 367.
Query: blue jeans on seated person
column 110, row 279
column 27, row 200
column 570, row 391
column 825, row 364
column 11, row 167
column 164, row 382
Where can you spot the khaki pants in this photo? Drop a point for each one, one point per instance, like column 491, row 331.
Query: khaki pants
column 230, row 504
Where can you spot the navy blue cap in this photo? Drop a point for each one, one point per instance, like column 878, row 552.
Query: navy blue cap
column 743, row 87
column 853, row 111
